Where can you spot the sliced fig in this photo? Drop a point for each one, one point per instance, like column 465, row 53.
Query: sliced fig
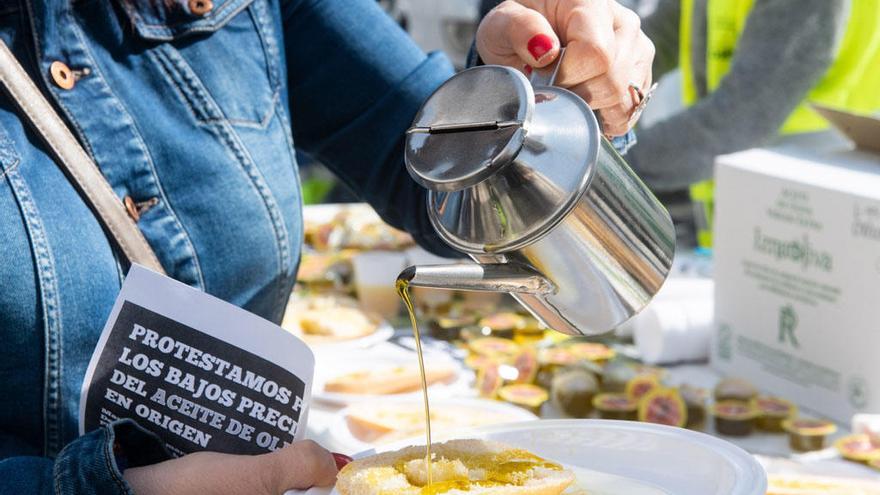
column 489, row 381
column 556, row 356
column 639, row 386
column 858, row 448
column 502, row 321
column 531, row 397
column 526, row 363
column 663, row 406
column 478, row 361
column 493, row 346
column 592, row 351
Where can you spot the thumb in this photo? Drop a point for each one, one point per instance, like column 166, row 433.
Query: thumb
column 513, row 29
column 302, row 465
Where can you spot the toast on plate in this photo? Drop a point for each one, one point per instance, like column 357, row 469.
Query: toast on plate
column 459, row 467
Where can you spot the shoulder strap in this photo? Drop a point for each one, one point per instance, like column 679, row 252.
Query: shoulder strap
column 75, row 161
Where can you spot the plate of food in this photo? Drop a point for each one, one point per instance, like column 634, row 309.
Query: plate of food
column 352, row 225
column 353, row 380
column 370, row 424
column 322, row 320
column 561, row 457
column 325, row 272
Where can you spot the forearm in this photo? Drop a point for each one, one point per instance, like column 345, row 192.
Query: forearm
column 124, row 459
column 298, row 466
column 356, row 82
column 204, row 473
column 785, row 48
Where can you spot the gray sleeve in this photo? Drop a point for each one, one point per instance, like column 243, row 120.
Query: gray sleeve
column 786, row 46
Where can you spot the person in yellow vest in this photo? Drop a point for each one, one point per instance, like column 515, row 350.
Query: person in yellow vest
column 749, row 68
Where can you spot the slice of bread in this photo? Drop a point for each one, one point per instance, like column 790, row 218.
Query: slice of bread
column 339, row 323
column 459, row 467
column 389, row 380
column 801, row 484
column 325, row 319
column 374, row 422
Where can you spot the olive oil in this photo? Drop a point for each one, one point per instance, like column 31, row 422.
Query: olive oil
column 501, row 469
column 510, row 468
column 402, row 287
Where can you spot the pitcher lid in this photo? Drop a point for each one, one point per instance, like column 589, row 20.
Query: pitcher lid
column 471, row 126
column 500, row 173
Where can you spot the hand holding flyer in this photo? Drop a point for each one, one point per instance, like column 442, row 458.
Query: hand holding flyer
column 199, row 372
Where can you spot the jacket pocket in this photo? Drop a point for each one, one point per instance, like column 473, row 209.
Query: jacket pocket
column 166, row 21
column 230, row 51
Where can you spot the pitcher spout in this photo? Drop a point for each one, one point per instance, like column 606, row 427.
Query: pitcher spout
column 495, row 277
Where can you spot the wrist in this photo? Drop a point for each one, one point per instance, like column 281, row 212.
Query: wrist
column 270, row 472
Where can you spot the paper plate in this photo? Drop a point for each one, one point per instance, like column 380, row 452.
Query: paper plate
column 329, row 368
column 341, row 435
column 624, row 457
column 383, row 332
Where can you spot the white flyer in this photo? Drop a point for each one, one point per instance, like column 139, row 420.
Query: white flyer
column 199, row 372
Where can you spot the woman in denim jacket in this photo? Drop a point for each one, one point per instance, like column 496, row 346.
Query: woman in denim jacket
column 192, row 109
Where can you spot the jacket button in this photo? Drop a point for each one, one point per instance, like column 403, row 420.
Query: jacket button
column 62, row 75
column 200, row 7
column 131, row 208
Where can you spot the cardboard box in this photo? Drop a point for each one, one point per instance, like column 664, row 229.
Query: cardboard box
column 797, row 272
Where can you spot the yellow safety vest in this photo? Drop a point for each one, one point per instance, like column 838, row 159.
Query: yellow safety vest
column 852, row 82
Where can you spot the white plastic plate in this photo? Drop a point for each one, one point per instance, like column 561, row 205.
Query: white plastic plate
column 384, row 331
column 330, row 366
column 625, row 457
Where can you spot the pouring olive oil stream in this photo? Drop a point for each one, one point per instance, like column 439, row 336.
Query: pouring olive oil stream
column 402, row 287
column 501, row 469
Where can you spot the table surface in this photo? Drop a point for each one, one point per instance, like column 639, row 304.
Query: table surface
column 771, row 449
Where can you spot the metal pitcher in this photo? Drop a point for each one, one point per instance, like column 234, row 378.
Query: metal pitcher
column 521, row 179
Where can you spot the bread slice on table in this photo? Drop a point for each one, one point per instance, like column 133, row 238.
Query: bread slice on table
column 804, row 484
column 459, row 467
column 390, row 380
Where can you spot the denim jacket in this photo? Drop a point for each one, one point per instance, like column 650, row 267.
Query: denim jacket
column 192, row 116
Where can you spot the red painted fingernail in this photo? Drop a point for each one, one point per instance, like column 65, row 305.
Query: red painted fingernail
column 528, row 69
column 539, row 45
column 341, row 460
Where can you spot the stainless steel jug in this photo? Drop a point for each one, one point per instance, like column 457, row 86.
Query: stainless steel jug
column 521, row 179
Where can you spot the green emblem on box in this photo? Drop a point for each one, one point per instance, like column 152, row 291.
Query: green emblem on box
column 725, row 342
column 788, row 321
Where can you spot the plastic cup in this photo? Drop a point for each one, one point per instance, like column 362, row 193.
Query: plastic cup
column 375, row 273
